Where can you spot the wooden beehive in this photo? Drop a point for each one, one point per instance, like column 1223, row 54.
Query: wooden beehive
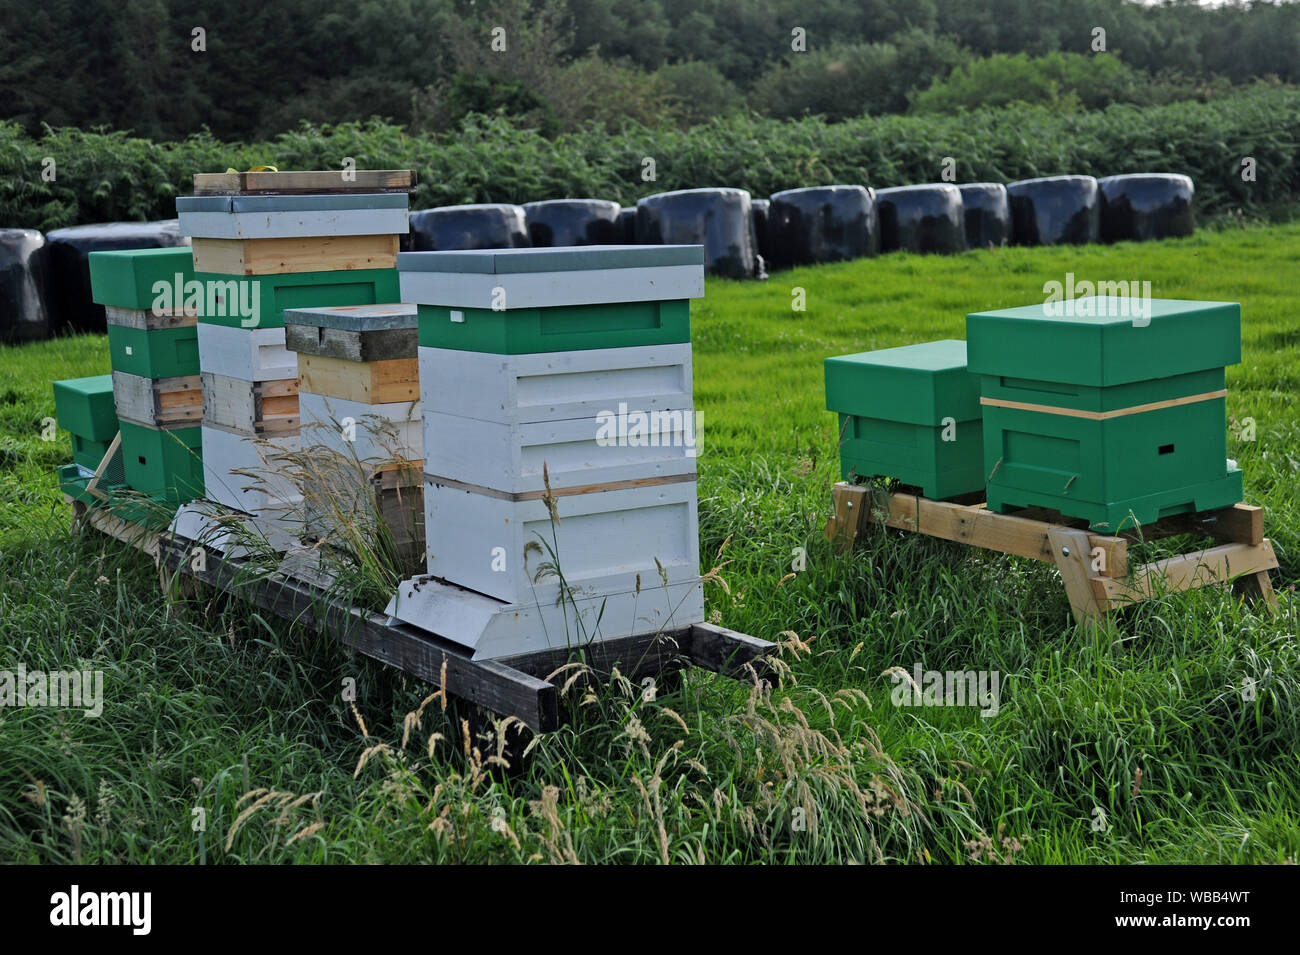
column 556, row 382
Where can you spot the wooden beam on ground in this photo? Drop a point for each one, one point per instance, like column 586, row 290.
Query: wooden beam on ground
column 1007, row 533
column 490, row 683
column 135, row 535
column 1215, row 565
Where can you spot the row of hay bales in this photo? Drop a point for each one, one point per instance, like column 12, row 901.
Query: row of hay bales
column 743, row 236
column 45, row 280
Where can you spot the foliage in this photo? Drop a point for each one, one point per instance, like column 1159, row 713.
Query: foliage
column 137, row 65
column 104, row 176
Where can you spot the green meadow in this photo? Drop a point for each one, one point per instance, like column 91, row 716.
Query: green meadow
column 1168, row 734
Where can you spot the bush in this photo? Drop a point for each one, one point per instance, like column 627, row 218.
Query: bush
column 1057, row 79
column 847, row 80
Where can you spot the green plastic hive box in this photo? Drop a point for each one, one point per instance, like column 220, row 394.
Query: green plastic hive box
column 84, row 406
column 155, row 353
column 910, row 413
column 126, row 279
column 166, row 464
column 1112, row 413
column 237, row 298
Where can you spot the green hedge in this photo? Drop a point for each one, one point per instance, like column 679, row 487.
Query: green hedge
column 101, row 176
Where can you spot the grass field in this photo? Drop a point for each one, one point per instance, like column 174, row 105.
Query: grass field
column 1133, row 742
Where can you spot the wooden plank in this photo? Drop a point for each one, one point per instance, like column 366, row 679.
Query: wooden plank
column 727, row 652
column 92, row 486
column 549, row 289
column 1008, row 533
column 133, row 535
column 149, row 320
column 1204, row 568
column 491, row 684
column 325, row 181
column 295, row 254
column 1071, row 552
column 1104, row 415
column 284, row 225
column 348, row 345
column 369, row 382
column 851, row 501
column 158, row 402
column 1239, row 524
column 251, row 407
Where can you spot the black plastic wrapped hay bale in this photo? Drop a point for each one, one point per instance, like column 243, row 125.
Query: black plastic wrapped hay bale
column 759, row 209
column 822, row 224
column 567, row 222
column 721, row 220
column 1057, row 210
column 627, row 225
column 23, row 317
column 457, row 228
column 987, row 214
column 1151, row 205
column 67, row 265
column 921, row 219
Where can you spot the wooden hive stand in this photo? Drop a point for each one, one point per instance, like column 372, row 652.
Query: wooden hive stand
column 1094, row 567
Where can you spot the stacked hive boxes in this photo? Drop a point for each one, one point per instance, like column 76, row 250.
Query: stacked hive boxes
column 1107, row 409
column 153, row 344
column 558, row 435
column 910, row 413
column 264, row 242
column 359, row 396
column 84, row 407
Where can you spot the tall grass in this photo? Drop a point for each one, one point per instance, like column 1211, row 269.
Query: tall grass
column 1170, row 733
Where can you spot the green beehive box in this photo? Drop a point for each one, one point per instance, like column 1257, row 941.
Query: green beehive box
column 236, row 298
column 571, row 328
column 156, row 353
column 911, row 413
column 84, row 406
column 127, row 278
column 528, row 301
column 1107, row 409
column 164, row 463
